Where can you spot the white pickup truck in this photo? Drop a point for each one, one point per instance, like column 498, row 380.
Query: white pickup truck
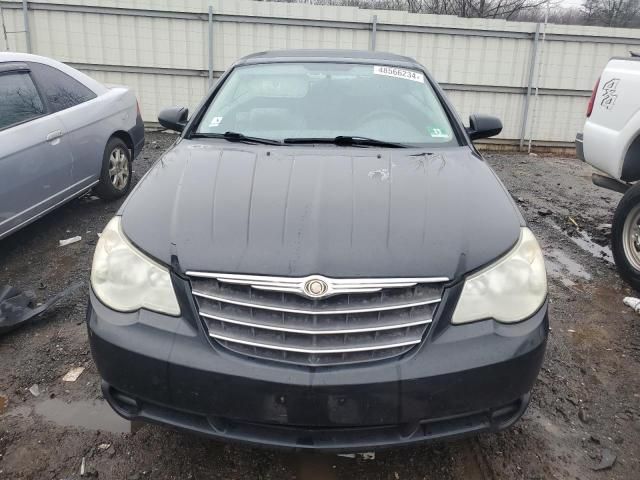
column 610, row 142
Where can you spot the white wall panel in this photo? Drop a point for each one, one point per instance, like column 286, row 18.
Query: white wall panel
column 156, row 92
column 577, row 65
column 557, row 118
column 13, row 23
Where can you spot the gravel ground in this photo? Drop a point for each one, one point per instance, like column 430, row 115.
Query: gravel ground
column 585, row 410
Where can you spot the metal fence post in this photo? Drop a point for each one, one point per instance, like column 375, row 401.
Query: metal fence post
column 374, row 28
column 532, row 67
column 25, row 17
column 210, row 46
column 4, row 30
column 539, row 73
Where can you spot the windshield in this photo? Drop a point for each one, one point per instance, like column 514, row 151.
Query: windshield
column 326, row 100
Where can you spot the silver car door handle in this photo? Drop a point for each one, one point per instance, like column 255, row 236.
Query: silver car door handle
column 53, row 135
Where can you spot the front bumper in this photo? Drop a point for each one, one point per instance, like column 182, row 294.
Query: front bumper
column 461, row 380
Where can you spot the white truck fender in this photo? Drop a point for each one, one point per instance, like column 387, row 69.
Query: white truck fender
column 611, row 131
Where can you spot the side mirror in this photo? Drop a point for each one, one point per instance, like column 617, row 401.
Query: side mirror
column 174, row 118
column 483, row 126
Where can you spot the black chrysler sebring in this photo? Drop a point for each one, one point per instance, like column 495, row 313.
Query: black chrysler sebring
column 321, row 261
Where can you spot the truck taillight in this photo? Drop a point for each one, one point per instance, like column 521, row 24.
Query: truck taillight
column 592, row 101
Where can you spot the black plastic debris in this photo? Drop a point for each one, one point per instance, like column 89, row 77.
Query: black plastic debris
column 17, row 307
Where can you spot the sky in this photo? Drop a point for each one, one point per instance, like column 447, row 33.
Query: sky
column 571, row 3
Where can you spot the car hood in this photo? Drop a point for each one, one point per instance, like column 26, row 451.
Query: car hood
column 334, row 211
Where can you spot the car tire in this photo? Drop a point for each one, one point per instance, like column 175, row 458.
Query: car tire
column 625, row 237
column 117, row 172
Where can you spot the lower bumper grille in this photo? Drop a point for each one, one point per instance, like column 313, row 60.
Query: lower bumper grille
column 273, row 318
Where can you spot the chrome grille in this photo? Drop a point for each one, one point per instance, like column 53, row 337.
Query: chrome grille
column 356, row 321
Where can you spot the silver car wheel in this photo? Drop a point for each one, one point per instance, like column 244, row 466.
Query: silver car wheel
column 119, row 168
column 631, row 237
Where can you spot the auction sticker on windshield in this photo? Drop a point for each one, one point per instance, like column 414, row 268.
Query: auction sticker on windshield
column 398, row 73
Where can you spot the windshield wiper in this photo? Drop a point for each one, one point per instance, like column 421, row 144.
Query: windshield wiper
column 237, row 137
column 346, row 141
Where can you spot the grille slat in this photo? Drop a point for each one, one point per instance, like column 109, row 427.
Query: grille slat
column 314, row 331
column 316, row 351
column 346, row 326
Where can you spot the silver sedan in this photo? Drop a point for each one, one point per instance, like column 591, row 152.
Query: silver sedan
column 61, row 134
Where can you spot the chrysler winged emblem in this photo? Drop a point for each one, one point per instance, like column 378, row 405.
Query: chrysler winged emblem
column 315, row 287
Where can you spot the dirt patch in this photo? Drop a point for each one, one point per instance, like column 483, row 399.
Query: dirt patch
column 585, row 403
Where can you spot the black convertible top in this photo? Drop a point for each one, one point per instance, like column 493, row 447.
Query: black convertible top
column 359, row 56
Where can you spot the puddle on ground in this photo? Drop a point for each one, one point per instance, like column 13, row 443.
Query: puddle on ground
column 565, row 269
column 312, row 466
column 92, row 415
column 559, row 265
column 607, row 297
column 315, row 467
column 583, row 240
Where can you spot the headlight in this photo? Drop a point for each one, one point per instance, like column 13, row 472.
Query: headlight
column 126, row 280
column 509, row 290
